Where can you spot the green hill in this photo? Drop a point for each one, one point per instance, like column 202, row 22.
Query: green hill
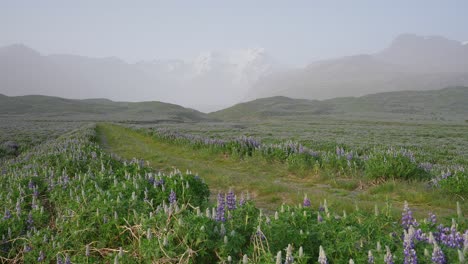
column 445, row 104
column 48, row 107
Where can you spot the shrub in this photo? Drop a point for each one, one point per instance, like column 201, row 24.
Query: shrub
column 457, row 183
column 394, row 165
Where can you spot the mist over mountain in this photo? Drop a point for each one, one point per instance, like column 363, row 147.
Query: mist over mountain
column 210, row 81
column 411, row 62
column 214, row 80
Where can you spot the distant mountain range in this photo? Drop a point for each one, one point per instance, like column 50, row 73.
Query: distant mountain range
column 215, row 80
column 446, row 104
column 410, row 63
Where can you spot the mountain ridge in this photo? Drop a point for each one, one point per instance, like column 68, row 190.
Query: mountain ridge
column 99, row 109
column 442, row 104
column 410, row 62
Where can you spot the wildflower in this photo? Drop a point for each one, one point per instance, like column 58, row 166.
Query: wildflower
column 408, row 247
column 231, row 200
column 172, row 197
column 242, row 200
column 388, row 258
column 322, row 259
column 220, row 208
column 370, row 257
column 432, row 218
column 407, row 219
column 278, row 257
column 41, row 256
column 319, row 218
column 438, row 256
column 7, row 214
column 289, row 256
column 30, row 221
column 306, row 202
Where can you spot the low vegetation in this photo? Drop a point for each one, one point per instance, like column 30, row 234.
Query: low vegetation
column 68, row 201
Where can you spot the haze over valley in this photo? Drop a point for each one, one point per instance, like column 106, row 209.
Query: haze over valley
column 216, row 80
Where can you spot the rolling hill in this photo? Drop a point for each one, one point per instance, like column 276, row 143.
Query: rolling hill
column 48, row 107
column 446, row 104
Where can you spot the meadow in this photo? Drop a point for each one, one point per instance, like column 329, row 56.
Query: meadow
column 325, row 191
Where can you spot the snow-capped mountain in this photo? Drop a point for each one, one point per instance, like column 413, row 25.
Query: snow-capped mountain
column 214, row 78
column 210, row 81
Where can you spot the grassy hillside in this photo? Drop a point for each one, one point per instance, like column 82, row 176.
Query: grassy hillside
column 38, row 106
column 446, row 104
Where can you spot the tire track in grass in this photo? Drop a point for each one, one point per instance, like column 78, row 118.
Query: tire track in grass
column 270, row 184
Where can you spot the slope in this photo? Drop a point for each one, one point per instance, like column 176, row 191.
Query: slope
column 449, row 103
column 47, row 107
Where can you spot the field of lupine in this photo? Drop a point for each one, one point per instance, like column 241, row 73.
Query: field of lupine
column 377, row 164
column 67, row 201
column 17, row 136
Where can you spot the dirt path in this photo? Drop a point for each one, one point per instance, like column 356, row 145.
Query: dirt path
column 270, row 184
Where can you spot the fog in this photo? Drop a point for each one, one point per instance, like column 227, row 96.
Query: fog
column 209, row 55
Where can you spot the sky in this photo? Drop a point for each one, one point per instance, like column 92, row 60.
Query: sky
column 294, row 32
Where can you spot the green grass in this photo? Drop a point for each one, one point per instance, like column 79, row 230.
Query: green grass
column 270, row 184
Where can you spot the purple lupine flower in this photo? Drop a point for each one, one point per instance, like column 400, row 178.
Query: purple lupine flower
column 41, row 257
column 68, row 260
column 370, row 258
column 446, row 174
column 426, row 166
column 231, row 200
column 242, row 200
column 340, row 151
column 30, row 221
column 27, row 248
column 349, row 156
column 408, row 247
column 432, row 218
column 420, row 235
column 301, row 149
column 172, row 197
column 306, row 202
column 260, row 233
column 388, row 258
column 289, row 256
column 7, row 214
column 18, row 208
column 59, row 260
column 220, row 209
column 407, row 219
column 438, row 256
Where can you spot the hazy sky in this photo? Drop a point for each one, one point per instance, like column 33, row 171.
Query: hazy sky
column 294, row 32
